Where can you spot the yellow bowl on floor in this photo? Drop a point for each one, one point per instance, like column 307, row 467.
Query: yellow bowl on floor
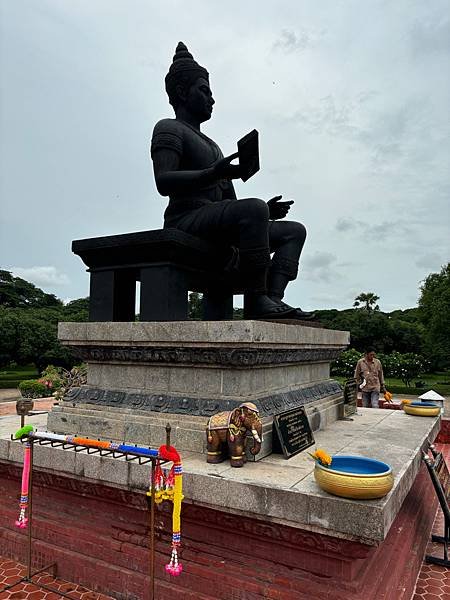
column 422, row 409
column 355, row 477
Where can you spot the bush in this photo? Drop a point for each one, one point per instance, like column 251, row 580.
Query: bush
column 33, row 388
column 406, row 367
column 345, row 365
column 390, row 362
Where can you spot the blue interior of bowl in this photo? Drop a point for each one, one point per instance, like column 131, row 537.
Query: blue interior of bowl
column 359, row 465
column 424, row 404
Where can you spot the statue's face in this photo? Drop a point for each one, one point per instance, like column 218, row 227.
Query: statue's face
column 199, row 100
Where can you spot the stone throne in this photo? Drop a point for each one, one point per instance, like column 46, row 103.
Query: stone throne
column 168, row 263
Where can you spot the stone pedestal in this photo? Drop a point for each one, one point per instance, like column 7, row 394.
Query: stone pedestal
column 141, row 375
column 264, row 531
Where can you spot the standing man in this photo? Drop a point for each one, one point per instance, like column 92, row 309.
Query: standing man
column 370, row 379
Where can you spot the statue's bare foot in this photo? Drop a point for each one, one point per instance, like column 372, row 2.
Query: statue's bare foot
column 297, row 313
column 262, row 307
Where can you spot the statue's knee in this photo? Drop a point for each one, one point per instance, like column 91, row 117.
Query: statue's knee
column 254, row 208
column 297, row 231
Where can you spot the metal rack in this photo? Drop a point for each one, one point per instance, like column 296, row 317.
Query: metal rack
column 129, row 455
column 440, row 476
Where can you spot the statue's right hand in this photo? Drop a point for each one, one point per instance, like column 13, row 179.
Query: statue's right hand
column 223, row 169
column 277, row 209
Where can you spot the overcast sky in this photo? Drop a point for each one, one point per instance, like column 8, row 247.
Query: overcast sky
column 351, row 99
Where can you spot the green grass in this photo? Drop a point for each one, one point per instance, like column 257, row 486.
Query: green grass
column 10, row 378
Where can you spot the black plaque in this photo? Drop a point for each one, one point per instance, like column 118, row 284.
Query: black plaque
column 292, row 431
column 350, row 397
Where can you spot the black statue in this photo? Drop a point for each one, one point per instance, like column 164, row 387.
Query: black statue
column 190, row 168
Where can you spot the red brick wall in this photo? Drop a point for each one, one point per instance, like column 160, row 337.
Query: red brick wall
column 443, row 436
column 100, row 537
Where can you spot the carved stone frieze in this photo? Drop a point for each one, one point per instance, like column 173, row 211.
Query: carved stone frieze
column 235, row 357
column 268, row 406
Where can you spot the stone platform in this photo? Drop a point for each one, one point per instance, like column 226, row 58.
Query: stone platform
column 277, row 488
column 140, row 375
column 268, row 517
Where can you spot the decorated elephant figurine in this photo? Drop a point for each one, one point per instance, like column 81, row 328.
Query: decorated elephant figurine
column 226, row 433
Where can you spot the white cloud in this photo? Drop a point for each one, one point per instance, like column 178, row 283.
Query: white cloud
column 430, row 260
column 431, row 35
column 347, row 224
column 41, row 276
column 372, row 230
column 318, row 266
column 295, row 41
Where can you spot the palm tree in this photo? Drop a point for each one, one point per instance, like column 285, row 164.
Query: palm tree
column 367, row 301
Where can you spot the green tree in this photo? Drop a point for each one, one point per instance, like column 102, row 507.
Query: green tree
column 18, row 293
column 367, row 301
column 29, row 322
column 195, row 307
column 367, row 328
column 400, row 330
column 434, row 310
column 76, row 310
column 30, row 336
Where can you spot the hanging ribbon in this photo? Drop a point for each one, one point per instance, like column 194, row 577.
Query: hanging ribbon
column 167, row 487
column 23, row 504
column 174, row 481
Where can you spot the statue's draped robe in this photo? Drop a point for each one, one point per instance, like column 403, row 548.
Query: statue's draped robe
column 211, row 212
column 196, row 151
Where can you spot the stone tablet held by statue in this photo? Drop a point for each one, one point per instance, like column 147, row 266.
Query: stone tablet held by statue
column 248, row 150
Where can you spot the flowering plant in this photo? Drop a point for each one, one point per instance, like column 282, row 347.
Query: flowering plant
column 76, row 377
column 322, row 457
column 47, row 382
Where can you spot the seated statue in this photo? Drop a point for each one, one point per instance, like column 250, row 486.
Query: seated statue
column 191, row 170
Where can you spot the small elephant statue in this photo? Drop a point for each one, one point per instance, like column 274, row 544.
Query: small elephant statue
column 226, row 433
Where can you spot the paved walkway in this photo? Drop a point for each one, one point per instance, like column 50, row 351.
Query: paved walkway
column 9, row 408
column 9, row 394
column 11, row 571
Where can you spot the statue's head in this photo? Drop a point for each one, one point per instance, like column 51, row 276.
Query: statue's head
column 187, row 84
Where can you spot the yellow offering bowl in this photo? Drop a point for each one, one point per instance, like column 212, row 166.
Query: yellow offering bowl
column 422, row 409
column 355, row 477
